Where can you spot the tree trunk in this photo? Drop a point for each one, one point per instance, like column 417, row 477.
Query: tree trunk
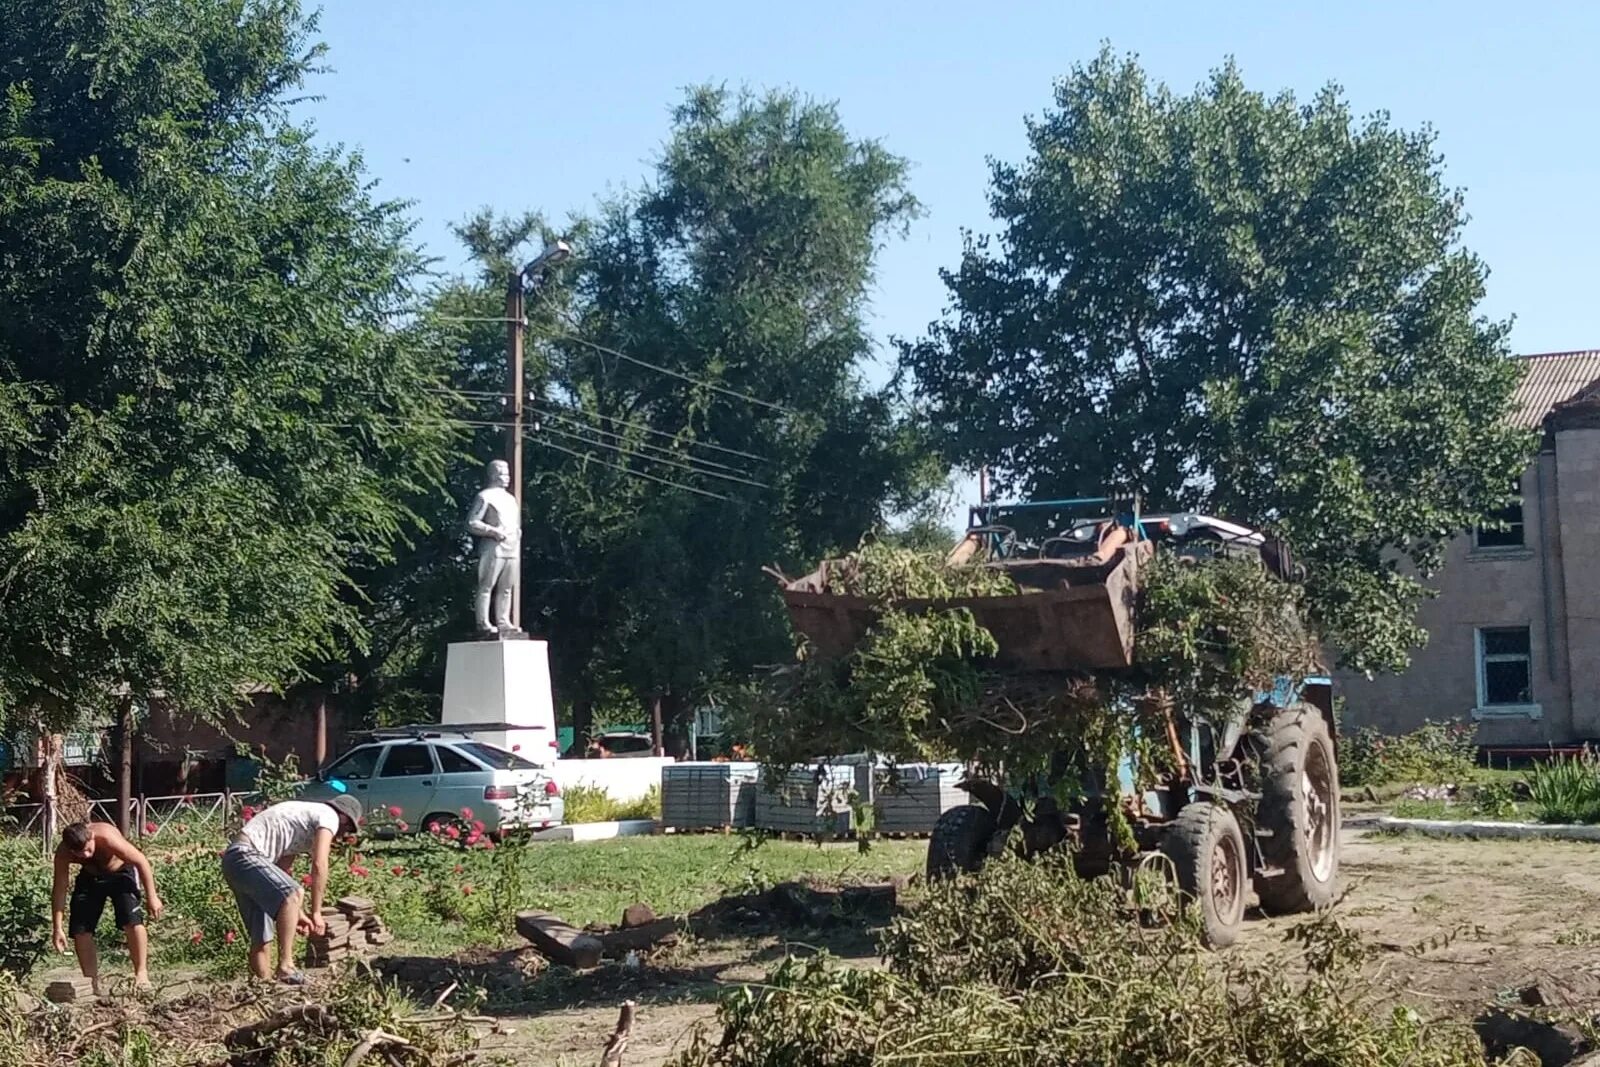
column 50, row 769
column 674, row 727
column 582, row 722
column 322, row 728
column 125, row 765
column 656, row 740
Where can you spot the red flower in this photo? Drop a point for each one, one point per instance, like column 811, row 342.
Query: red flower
column 472, row 838
column 359, row 872
column 305, row 879
column 416, row 872
column 394, row 811
column 466, row 890
column 248, row 812
column 149, row 827
column 466, row 813
column 452, row 833
column 196, row 937
column 230, row 937
column 397, row 871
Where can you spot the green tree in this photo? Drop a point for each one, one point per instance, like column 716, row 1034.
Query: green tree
column 701, row 409
column 1242, row 304
column 209, row 419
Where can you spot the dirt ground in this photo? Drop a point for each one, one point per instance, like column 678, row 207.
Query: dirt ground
column 1509, row 915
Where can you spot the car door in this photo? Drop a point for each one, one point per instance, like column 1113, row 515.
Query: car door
column 461, row 783
column 354, row 770
column 407, row 779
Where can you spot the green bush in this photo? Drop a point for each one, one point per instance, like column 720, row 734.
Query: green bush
column 24, row 907
column 589, row 804
column 1567, row 789
column 1437, row 753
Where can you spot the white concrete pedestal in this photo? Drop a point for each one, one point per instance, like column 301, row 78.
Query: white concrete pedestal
column 501, row 689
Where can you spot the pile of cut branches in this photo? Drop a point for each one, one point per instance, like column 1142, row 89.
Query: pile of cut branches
column 921, row 686
column 1026, row 965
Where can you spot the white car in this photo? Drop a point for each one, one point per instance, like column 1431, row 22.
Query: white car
column 433, row 776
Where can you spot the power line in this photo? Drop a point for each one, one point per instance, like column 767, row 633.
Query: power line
column 630, row 471
column 550, row 407
column 703, row 383
column 614, row 435
column 653, row 459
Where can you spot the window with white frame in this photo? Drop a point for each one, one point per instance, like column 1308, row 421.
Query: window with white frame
column 1505, row 667
column 1505, row 528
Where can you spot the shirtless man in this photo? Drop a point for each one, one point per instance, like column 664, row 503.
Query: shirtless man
column 112, row 869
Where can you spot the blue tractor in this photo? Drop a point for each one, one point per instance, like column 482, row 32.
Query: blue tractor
column 1254, row 801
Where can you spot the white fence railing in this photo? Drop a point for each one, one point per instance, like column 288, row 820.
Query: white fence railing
column 166, row 819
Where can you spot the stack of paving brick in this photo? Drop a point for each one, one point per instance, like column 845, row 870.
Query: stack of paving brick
column 353, row 926
column 69, row 990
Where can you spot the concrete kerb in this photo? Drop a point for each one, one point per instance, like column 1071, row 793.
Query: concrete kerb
column 1509, row 831
column 597, row 831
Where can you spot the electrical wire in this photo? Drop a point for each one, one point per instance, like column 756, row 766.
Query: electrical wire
column 620, row 439
column 652, row 459
column 703, row 383
column 630, row 471
column 549, row 407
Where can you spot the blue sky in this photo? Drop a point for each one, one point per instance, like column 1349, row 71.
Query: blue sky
column 538, row 105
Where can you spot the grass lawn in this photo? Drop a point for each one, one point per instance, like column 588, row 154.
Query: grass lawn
column 593, row 882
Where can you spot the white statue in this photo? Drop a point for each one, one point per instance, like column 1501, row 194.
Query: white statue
column 497, row 524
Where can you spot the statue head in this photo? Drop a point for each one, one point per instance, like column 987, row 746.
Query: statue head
column 498, row 474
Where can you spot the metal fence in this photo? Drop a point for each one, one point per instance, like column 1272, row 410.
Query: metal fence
column 165, row 819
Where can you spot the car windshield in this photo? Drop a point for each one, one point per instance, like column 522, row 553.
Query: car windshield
column 497, row 758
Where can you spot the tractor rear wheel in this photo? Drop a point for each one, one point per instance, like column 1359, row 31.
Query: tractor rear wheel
column 1298, row 811
column 1206, row 848
column 960, row 842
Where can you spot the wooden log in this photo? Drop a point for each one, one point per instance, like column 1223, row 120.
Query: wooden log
column 618, row 943
column 557, row 939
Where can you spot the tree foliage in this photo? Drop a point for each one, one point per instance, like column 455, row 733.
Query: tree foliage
column 1241, row 304
column 699, row 405
column 208, row 418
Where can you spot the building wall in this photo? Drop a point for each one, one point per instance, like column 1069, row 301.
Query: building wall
column 1499, row 587
column 1578, row 479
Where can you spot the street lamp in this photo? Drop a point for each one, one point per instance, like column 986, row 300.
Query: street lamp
column 527, row 280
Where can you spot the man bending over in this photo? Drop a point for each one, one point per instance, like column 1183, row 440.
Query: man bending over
column 256, row 867
column 111, row 869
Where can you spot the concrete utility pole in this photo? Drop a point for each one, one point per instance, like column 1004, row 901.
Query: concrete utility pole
column 527, row 280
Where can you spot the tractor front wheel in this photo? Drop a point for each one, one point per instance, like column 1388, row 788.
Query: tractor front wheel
column 1298, row 812
column 960, row 842
column 1206, row 848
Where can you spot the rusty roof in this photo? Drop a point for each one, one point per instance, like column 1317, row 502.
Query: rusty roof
column 1550, row 379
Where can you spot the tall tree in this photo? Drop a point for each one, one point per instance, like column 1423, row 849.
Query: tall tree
column 208, row 417
column 1242, row 304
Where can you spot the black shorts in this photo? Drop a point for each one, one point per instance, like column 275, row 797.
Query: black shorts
column 90, row 893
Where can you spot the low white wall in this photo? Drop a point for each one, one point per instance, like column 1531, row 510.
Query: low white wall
column 623, row 779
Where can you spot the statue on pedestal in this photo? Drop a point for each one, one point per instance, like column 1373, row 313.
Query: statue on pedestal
column 496, row 522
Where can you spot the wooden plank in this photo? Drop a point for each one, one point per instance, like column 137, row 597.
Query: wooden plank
column 618, row 943
column 557, row 939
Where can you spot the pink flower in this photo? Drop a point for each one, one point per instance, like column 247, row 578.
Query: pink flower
column 403, row 827
column 394, row 811
column 477, row 826
column 305, row 879
column 466, row 890
column 149, row 827
column 472, row 838
column 248, row 812
column 486, row 844
column 466, row 813
column 230, row 937
column 452, row 833
column 196, row 937
column 359, row 872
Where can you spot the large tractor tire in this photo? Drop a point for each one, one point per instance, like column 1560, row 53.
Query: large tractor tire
column 1206, row 848
column 960, row 842
column 1298, row 814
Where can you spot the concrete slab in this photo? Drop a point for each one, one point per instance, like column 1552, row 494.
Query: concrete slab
column 598, row 831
